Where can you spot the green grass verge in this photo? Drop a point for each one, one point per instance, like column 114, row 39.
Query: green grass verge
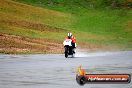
column 94, row 26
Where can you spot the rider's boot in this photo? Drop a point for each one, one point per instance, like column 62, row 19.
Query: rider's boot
column 74, row 50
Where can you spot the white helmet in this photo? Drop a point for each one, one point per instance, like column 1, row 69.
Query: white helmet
column 69, row 34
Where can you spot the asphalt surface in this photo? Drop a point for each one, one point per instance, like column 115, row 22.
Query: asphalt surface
column 56, row 71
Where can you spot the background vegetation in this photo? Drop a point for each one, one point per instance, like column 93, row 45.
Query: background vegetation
column 97, row 24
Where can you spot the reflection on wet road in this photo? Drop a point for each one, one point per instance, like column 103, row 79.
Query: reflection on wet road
column 55, row 71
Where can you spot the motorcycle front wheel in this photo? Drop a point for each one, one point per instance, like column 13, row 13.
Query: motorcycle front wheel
column 66, row 52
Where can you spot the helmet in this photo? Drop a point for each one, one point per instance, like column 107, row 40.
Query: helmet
column 69, row 35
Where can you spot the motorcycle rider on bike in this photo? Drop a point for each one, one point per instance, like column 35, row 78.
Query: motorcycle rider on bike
column 70, row 36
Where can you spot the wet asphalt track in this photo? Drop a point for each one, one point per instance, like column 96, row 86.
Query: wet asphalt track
column 55, row 71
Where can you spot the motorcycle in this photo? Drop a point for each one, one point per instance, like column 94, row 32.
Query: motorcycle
column 69, row 50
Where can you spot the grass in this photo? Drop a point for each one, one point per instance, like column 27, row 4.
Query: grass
column 93, row 28
column 33, row 23
column 14, row 10
column 87, row 19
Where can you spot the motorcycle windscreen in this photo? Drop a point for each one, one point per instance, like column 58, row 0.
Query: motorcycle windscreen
column 67, row 42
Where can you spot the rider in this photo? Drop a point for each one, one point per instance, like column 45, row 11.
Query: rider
column 70, row 36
